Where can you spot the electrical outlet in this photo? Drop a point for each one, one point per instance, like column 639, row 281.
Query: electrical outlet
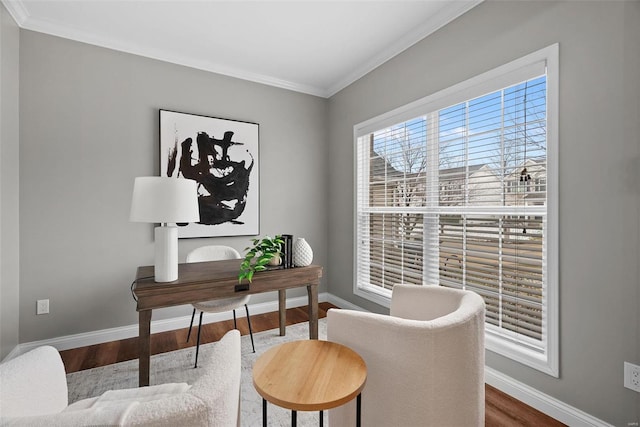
column 632, row 376
column 42, row 307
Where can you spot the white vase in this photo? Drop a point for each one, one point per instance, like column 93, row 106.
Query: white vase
column 302, row 253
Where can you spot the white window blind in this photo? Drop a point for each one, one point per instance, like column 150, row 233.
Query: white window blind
column 458, row 196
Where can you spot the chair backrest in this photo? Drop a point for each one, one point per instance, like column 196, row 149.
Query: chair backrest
column 212, row 253
column 33, row 383
column 427, row 302
column 422, row 360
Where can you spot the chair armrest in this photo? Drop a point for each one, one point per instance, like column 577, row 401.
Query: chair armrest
column 85, row 417
column 213, row 400
column 33, row 383
column 184, row 410
column 219, row 385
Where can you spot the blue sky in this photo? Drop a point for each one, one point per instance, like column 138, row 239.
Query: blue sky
column 479, row 122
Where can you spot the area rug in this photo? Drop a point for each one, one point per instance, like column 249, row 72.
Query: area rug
column 177, row 366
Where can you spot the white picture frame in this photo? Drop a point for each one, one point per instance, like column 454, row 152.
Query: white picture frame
column 221, row 155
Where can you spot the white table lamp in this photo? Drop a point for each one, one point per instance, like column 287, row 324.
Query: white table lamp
column 165, row 200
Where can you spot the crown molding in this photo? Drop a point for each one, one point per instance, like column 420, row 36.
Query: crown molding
column 18, row 11
column 21, row 15
column 47, row 27
column 430, row 26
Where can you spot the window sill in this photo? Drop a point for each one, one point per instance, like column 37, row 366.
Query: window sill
column 381, row 297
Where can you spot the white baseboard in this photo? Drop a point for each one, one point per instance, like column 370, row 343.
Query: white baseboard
column 536, row 399
column 114, row 334
column 13, row 353
column 544, row 403
column 343, row 303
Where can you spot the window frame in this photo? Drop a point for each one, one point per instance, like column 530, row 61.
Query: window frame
column 495, row 79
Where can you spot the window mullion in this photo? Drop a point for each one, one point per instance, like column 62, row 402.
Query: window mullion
column 466, row 194
column 503, row 164
column 431, row 248
column 500, row 271
column 503, row 170
column 466, row 153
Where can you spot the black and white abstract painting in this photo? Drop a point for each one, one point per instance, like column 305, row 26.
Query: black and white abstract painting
column 221, row 155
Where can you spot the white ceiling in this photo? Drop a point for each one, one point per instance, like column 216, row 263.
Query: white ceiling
column 315, row 47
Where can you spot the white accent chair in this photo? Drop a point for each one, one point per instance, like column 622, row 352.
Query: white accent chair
column 425, row 361
column 215, row 253
column 34, row 393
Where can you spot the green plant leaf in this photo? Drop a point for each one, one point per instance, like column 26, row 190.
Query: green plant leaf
column 258, row 255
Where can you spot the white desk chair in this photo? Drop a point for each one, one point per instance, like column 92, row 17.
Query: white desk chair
column 215, row 253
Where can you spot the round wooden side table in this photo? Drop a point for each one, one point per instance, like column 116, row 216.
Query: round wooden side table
column 309, row 375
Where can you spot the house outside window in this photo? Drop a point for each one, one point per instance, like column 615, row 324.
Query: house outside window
column 459, row 189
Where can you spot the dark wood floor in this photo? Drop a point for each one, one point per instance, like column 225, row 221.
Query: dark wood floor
column 501, row 410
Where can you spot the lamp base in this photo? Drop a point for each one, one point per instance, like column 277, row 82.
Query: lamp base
column 166, row 265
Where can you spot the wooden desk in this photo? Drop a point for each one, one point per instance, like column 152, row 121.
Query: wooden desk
column 309, row 376
column 204, row 281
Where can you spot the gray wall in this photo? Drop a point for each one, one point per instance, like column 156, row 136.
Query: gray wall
column 88, row 126
column 9, row 220
column 599, row 175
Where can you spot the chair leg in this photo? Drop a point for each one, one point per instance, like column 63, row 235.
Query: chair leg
column 191, row 325
column 250, row 331
column 235, row 322
column 198, row 343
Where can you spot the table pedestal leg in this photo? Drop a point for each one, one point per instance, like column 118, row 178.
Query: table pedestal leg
column 144, row 347
column 282, row 310
column 264, row 413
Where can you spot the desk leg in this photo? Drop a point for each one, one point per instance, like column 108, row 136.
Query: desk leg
column 312, row 291
column 144, row 346
column 282, row 310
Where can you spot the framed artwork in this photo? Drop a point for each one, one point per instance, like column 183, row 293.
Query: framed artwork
column 221, row 155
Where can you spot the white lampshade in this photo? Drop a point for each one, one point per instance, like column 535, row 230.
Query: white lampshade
column 162, row 199
column 165, row 200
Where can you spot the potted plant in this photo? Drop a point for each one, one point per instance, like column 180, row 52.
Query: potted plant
column 263, row 252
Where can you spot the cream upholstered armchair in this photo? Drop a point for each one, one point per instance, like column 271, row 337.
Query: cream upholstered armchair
column 425, row 361
column 33, row 392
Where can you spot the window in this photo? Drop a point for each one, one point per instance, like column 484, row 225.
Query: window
column 459, row 189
